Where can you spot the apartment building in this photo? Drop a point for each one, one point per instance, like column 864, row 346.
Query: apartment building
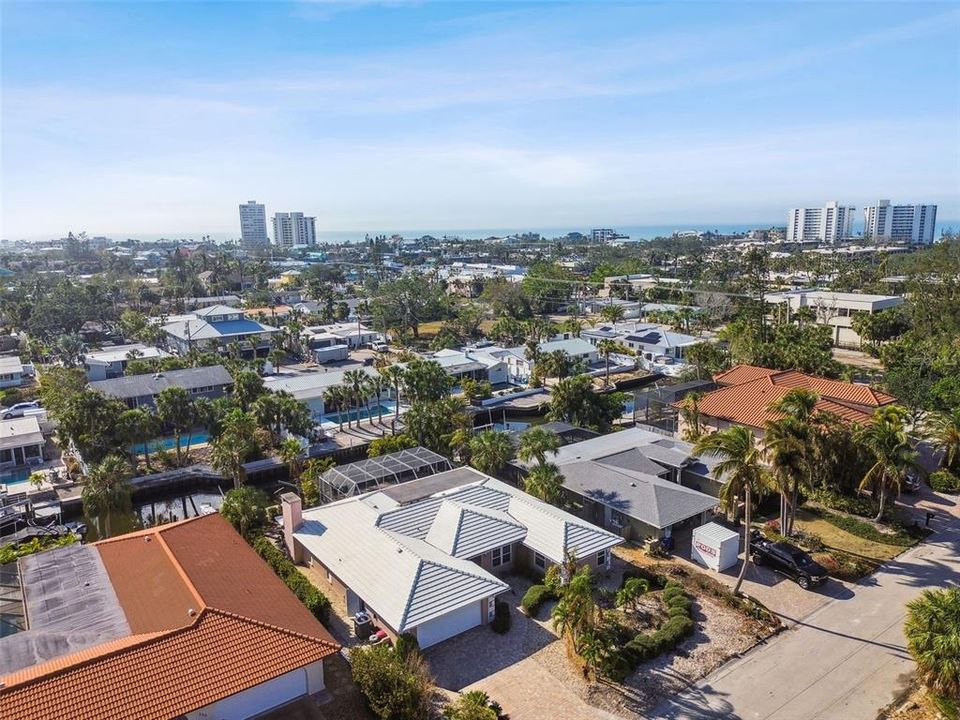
column 253, row 225
column 836, row 310
column 913, row 224
column 294, row 228
column 830, row 224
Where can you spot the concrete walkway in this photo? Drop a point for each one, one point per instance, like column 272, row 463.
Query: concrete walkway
column 844, row 661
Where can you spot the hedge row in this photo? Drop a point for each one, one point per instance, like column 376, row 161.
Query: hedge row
column 644, row 646
column 316, row 602
column 535, row 597
column 865, row 530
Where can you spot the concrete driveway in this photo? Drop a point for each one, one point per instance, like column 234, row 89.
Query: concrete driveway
column 526, row 670
column 843, row 662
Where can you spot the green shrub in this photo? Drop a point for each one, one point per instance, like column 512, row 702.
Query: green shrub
column 535, row 597
column 656, row 580
column 642, row 648
column 395, row 687
column 672, row 591
column 9, row 553
column 944, row 481
column 501, row 617
column 406, row 644
column 867, row 531
column 854, row 504
column 316, row 602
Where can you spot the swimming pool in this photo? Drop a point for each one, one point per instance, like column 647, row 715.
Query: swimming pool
column 361, row 413
column 170, row 443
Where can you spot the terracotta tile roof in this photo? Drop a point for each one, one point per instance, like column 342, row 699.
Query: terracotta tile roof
column 163, row 677
column 739, row 374
column 747, row 403
column 174, row 661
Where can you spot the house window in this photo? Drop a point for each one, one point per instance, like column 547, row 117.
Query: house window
column 540, row 561
column 501, row 555
column 601, row 558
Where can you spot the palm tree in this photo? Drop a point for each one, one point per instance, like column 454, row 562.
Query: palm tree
column 575, row 616
column 742, row 466
column 535, row 443
column 933, row 638
column 796, row 430
column 378, row 386
column 140, row 427
column 291, row 453
column 943, row 431
column 356, row 381
column 490, row 451
column 785, row 453
column 334, row 397
column 690, row 414
column 175, row 408
column 612, row 313
column 605, row 348
column 629, row 595
column 545, row 482
column 106, row 490
column 394, row 376
column 893, row 455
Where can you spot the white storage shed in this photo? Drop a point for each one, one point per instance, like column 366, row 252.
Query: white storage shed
column 715, row 546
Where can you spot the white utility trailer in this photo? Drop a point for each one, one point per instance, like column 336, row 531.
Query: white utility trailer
column 715, row 546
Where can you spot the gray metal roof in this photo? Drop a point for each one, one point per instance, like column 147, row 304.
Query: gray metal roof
column 647, row 498
column 132, row 386
column 70, row 606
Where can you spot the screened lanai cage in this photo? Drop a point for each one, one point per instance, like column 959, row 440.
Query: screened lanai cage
column 377, row 472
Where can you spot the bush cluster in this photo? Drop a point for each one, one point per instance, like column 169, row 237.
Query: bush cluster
column 316, row 602
column 854, row 504
column 396, row 687
column 501, row 617
column 656, row 580
column 944, row 481
column 867, row 531
column 9, row 553
column 535, row 597
column 646, row 646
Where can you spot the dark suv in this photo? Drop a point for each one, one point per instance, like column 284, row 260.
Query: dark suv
column 787, row 560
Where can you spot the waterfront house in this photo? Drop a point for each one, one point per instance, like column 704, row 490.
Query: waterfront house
column 216, row 329
column 111, row 362
column 141, row 390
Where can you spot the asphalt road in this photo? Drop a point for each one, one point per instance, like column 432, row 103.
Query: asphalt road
column 845, row 661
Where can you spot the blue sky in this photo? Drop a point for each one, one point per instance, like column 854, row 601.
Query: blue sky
column 160, row 117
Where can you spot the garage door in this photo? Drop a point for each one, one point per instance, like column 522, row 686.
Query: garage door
column 446, row 626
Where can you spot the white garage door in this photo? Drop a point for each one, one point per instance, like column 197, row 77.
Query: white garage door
column 446, row 626
column 258, row 699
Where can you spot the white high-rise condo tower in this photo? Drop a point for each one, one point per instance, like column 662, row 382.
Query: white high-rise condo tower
column 905, row 223
column 253, row 225
column 830, row 224
column 294, row 228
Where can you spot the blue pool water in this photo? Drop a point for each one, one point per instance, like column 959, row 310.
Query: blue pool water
column 360, row 413
column 170, row 443
column 15, row 476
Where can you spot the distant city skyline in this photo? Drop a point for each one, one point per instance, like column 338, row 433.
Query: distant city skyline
column 148, row 119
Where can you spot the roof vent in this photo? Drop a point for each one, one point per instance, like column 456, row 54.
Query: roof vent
column 633, row 484
column 147, row 538
column 157, row 375
column 191, row 612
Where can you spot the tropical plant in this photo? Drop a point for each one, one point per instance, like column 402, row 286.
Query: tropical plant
column 291, row 453
column 356, row 383
column 393, row 374
column 310, row 479
column 545, row 481
column 247, row 387
column 140, row 426
column 741, row 466
column 334, row 397
column 234, row 446
column 633, row 589
column 893, row 455
column 490, row 450
column 106, row 490
column 606, row 348
column 473, row 705
column 576, row 615
column 396, row 687
column 693, row 427
column 390, row 444
column 175, row 408
column 612, row 313
column 246, row 509
column 933, row 638
column 943, row 431
column 424, row 381
column 792, row 441
column 572, row 400
column 535, row 443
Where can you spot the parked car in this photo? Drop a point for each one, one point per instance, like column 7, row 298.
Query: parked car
column 18, row 410
column 788, row 560
column 380, row 346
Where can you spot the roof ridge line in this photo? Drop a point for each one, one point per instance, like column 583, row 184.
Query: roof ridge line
column 413, row 587
column 271, row 626
column 180, row 571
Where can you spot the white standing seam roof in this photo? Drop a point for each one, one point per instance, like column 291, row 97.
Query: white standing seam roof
column 409, row 562
column 20, row 432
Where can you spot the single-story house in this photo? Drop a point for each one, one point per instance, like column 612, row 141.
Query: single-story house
column 178, row 621
column 648, row 341
column 746, row 392
column 326, row 347
column 141, row 390
column 476, row 364
column 354, row 334
column 21, row 442
column 111, row 362
column 423, row 557
column 13, row 371
column 215, row 329
column 576, row 348
column 637, row 483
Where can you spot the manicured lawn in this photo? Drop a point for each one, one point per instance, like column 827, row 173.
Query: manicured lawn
column 838, row 539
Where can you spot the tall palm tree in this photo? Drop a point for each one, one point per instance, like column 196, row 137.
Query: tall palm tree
column 893, row 455
column 785, row 453
column 378, row 386
column 356, row 382
column 605, row 348
column 943, row 431
column 333, row 397
column 535, row 443
column 291, row 453
column 799, row 429
column 690, row 414
column 545, row 481
column 933, row 638
column 394, row 376
column 741, row 465
column 490, row 451
column 106, row 490
column 575, row 615
column 612, row 313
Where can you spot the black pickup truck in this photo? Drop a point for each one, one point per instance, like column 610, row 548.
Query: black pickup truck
column 787, row 560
